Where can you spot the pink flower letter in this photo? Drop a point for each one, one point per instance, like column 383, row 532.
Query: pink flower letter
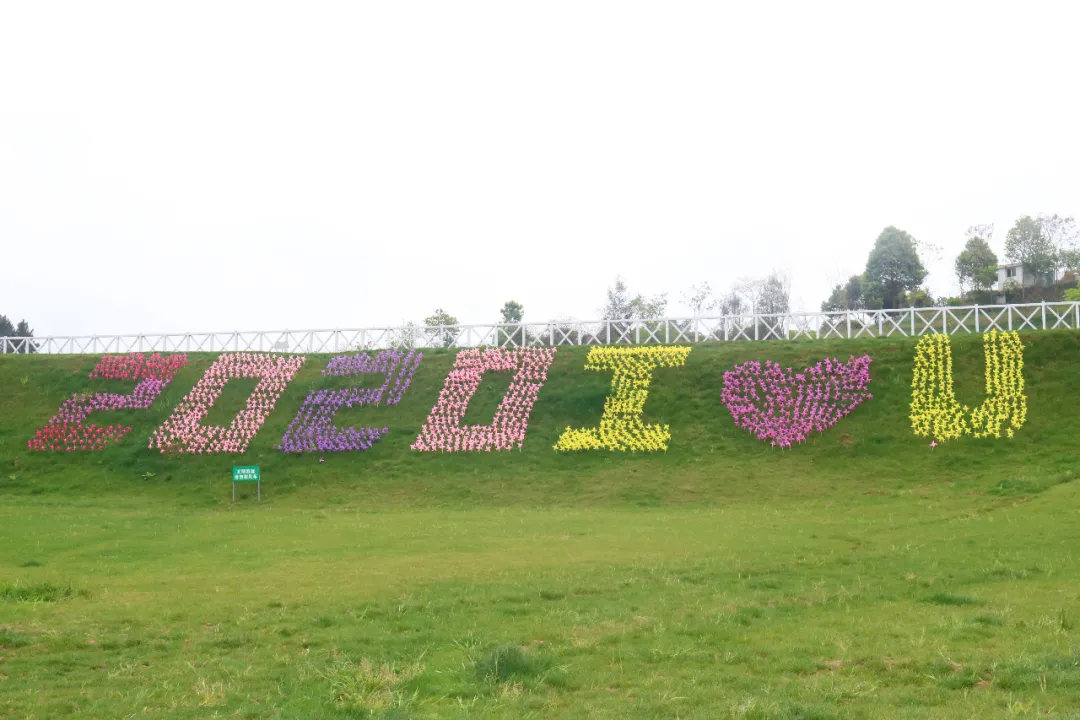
column 443, row 430
column 183, row 432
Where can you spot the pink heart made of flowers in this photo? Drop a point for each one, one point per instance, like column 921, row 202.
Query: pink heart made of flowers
column 784, row 407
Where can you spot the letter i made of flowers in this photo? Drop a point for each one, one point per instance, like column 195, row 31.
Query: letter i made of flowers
column 621, row 426
column 935, row 411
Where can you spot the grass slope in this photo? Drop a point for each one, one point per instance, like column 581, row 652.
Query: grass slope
column 858, row 575
column 710, row 460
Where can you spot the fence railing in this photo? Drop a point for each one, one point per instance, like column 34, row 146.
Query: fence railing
column 905, row 322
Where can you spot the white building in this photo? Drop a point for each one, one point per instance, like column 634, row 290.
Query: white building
column 1023, row 277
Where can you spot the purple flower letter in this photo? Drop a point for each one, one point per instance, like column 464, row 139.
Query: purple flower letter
column 313, row 429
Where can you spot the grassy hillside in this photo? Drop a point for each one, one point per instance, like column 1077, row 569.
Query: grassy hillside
column 709, row 461
column 861, row 575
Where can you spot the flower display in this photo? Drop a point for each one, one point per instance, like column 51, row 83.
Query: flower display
column 443, row 429
column 935, row 411
column 784, row 407
column 313, row 429
column 621, row 427
column 65, row 431
column 183, row 431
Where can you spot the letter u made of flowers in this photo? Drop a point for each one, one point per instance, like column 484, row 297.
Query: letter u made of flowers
column 184, row 432
column 443, row 429
column 621, row 427
column 65, row 431
column 313, row 429
column 935, row 411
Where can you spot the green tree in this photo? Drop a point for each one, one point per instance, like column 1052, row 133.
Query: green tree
column 919, row 298
column 894, row 265
column 775, row 295
column 1064, row 236
column 857, row 293
column 511, row 314
column 1027, row 243
column 442, row 328
column 623, row 310
column 22, row 330
column 846, row 296
column 976, row 265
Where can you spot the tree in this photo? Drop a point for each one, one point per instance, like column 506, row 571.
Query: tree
column 775, row 295
column 406, row 336
column 846, row 296
column 22, row 330
column 1063, row 235
column 699, row 298
column 623, row 311
column 621, row 306
column 770, row 295
column 1027, row 243
column 919, row 298
column 441, row 328
column 976, row 265
column 511, row 313
column 732, row 304
column 894, row 265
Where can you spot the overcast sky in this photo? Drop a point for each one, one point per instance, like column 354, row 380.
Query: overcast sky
column 221, row 166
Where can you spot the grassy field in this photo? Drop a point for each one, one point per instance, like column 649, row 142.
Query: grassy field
column 860, row 575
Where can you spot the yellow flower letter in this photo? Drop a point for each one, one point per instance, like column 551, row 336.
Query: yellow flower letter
column 936, row 413
column 621, row 427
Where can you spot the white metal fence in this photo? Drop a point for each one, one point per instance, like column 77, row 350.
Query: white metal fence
column 906, row 322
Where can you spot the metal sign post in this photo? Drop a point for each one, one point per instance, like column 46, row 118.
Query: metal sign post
column 246, row 473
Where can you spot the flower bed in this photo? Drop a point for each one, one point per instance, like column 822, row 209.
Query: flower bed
column 784, row 407
column 935, row 411
column 65, row 431
column 183, row 431
column 621, row 427
column 443, row 429
column 313, row 429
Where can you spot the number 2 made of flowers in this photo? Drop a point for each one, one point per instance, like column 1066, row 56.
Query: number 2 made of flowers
column 65, row 431
column 935, row 411
column 443, row 430
column 313, row 429
column 183, row 431
column 621, row 427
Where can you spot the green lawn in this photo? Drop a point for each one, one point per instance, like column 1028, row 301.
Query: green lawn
column 859, row 575
column 905, row 604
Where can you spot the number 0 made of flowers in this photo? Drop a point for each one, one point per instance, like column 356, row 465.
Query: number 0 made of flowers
column 621, row 427
column 935, row 411
column 443, row 430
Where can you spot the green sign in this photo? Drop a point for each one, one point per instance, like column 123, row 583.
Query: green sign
column 245, row 473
